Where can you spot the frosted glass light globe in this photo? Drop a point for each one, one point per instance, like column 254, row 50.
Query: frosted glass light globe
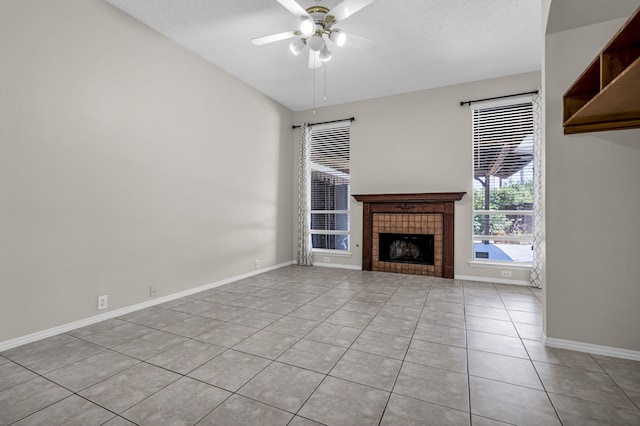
column 325, row 54
column 315, row 43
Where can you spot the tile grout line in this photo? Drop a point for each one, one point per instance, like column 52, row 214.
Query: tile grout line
column 339, row 359
column 72, row 392
column 227, row 321
column 614, row 381
column 478, row 331
column 174, row 372
column 406, row 352
column 275, row 360
column 302, row 280
column 544, row 387
column 466, row 348
column 231, row 393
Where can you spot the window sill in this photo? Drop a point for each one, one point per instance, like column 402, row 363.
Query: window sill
column 520, row 266
column 328, row 252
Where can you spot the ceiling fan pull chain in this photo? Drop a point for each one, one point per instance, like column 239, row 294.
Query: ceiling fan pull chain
column 314, row 90
column 325, row 82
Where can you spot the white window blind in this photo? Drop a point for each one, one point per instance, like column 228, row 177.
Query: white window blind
column 503, row 181
column 330, row 164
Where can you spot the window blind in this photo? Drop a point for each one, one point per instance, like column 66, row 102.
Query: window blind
column 330, row 191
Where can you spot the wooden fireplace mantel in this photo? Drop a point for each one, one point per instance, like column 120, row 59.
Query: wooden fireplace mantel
column 427, row 197
column 430, row 202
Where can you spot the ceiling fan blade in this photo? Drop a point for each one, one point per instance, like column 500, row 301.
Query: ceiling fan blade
column 361, row 42
column 293, row 7
column 348, row 8
column 314, row 59
column 273, row 37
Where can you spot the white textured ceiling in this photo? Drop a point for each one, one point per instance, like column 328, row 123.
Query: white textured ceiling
column 423, row 44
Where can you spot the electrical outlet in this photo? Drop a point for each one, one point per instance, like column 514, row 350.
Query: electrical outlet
column 257, row 263
column 153, row 290
column 103, row 302
column 327, row 260
column 506, row 274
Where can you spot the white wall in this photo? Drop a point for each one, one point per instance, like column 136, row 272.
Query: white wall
column 126, row 161
column 592, row 206
column 418, row 142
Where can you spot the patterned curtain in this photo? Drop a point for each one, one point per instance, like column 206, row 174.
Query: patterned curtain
column 538, row 194
column 305, row 255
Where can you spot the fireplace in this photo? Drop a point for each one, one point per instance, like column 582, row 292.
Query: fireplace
column 409, row 233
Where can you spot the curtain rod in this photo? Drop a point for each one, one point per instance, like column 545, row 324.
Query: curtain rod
column 534, row 92
column 327, row 122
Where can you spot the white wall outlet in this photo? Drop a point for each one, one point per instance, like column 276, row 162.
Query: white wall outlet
column 103, row 302
column 506, row 274
column 257, row 263
column 153, row 290
column 327, row 260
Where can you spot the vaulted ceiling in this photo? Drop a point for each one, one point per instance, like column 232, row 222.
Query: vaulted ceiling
column 423, row 44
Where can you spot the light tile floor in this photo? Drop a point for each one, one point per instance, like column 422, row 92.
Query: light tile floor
column 309, row 346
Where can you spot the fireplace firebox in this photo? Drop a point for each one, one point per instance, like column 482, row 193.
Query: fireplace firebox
column 406, row 248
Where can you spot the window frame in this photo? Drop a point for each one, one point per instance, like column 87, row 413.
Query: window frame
column 328, row 127
column 475, row 238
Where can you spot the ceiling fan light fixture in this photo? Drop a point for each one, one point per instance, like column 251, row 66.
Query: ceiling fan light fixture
column 307, row 27
column 338, row 37
column 325, row 54
column 316, row 43
column 296, row 46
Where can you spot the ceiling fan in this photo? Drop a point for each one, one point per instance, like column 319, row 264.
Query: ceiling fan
column 319, row 25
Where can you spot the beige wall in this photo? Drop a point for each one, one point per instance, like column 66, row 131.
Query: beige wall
column 418, row 142
column 592, row 207
column 126, row 161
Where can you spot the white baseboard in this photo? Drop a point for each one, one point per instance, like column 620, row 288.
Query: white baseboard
column 22, row 340
column 591, row 348
column 492, row 280
column 337, row 265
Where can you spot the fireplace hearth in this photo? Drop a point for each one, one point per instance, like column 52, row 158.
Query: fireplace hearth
column 415, row 218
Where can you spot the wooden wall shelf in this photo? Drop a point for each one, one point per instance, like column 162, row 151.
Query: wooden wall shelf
column 606, row 96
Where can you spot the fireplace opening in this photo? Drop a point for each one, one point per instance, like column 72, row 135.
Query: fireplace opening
column 406, row 248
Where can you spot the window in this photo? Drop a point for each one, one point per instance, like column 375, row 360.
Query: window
column 330, row 186
column 503, row 182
